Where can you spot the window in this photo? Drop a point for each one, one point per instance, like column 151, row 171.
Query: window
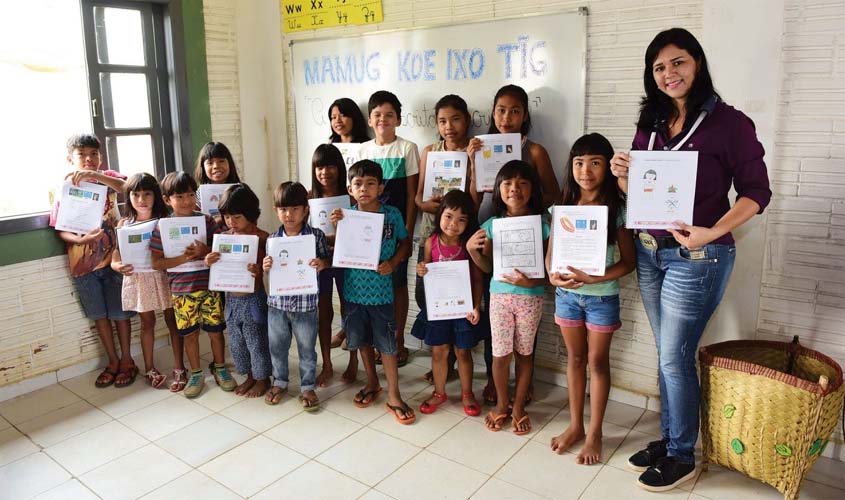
column 93, row 65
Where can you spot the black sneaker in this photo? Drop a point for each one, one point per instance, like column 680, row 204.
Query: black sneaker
column 643, row 459
column 666, row 475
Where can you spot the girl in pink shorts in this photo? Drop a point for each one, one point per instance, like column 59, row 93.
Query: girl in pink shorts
column 516, row 300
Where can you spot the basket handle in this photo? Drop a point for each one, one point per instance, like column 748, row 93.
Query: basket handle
column 793, row 351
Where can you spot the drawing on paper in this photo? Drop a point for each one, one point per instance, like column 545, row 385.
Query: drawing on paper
column 518, row 248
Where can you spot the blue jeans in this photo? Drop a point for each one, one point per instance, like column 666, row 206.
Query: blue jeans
column 680, row 294
column 302, row 325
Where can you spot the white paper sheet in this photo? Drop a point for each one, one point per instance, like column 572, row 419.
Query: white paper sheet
column 81, row 207
column 229, row 274
column 209, row 196
column 357, row 244
column 661, row 188
column 177, row 233
column 448, row 290
column 444, row 171
column 291, row 274
column 518, row 244
column 321, row 208
column 134, row 244
column 497, row 150
column 579, row 239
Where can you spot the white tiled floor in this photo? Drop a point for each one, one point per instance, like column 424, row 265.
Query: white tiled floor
column 72, row 441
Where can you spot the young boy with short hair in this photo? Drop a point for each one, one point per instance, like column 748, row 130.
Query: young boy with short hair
column 246, row 313
column 294, row 315
column 194, row 305
column 89, row 258
column 369, row 294
column 399, row 160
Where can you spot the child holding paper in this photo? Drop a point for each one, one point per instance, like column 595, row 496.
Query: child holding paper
column 215, row 165
column 516, row 302
column 194, row 305
column 587, row 307
column 148, row 292
column 328, row 179
column 294, row 315
column 369, row 294
column 455, row 223
column 246, row 313
column 399, row 160
column 89, row 257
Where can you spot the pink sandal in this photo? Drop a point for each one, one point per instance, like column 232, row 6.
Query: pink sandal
column 180, row 380
column 155, row 377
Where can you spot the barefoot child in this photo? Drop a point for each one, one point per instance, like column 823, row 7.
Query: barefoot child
column 89, row 257
column 246, row 313
column 328, row 179
column 454, row 224
column 516, row 302
column 294, row 315
column 369, row 294
column 195, row 306
column 147, row 293
column 587, row 307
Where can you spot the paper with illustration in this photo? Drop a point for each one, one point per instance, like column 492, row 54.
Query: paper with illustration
column 177, row 233
column 518, row 244
column 81, row 207
column 448, row 290
column 291, row 273
column 357, row 243
column 579, row 239
column 321, row 208
column 133, row 241
column 209, row 197
column 444, row 171
column 497, row 150
column 230, row 274
column 661, row 188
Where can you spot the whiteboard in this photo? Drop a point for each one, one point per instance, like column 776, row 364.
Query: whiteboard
column 545, row 55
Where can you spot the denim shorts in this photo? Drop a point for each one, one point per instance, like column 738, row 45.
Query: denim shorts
column 368, row 325
column 458, row 332
column 100, row 294
column 599, row 313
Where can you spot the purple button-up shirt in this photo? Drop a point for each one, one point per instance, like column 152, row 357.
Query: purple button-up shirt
column 728, row 152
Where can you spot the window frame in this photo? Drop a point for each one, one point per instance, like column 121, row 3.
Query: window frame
column 168, row 29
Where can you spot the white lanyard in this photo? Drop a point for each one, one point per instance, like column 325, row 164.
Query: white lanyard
column 686, row 137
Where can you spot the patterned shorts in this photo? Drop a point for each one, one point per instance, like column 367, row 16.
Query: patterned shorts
column 514, row 320
column 202, row 309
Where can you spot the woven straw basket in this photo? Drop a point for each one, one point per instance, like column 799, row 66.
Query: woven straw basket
column 768, row 409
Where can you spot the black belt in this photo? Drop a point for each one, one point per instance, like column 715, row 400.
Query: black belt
column 652, row 242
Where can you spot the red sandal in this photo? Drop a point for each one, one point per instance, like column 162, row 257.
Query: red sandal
column 472, row 410
column 429, row 408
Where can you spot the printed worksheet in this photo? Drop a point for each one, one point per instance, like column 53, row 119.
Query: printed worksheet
column 81, row 207
column 177, row 233
column 209, row 197
column 357, row 243
column 518, row 244
column 661, row 188
column 230, row 274
column 133, row 241
column 444, row 171
column 321, row 208
column 448, row 290
column 579, row 239
column 291, row 274
column 497, row 150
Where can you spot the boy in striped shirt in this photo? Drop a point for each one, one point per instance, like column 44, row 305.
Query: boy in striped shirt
column 195, row 306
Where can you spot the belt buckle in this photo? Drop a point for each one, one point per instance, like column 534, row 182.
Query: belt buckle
column 648, row 241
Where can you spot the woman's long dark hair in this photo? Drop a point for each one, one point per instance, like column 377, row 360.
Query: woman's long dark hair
column 512, row 170
column 657, row 106
column 327, row 155
column 520, row 95
column 347, row 107
column 145, row 182
column 460, row 200
column 609, row 195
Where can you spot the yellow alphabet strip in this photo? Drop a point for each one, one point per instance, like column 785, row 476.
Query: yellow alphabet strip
column 304, row 15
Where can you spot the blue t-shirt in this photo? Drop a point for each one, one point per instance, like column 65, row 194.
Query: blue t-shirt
column 497, row 286
column 363, row 286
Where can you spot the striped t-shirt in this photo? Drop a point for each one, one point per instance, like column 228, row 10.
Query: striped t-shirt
column 191, row 281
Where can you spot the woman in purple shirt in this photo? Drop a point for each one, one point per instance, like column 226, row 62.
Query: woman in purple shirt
column 683, row 272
